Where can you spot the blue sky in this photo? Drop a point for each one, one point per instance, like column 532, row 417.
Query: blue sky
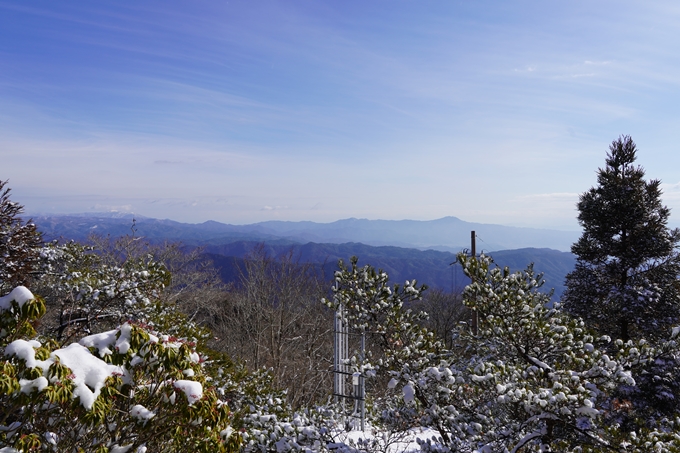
column 244, row 111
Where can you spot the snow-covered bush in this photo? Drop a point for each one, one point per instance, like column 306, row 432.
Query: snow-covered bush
column 395, row 338
column 87, row 295
column 128, row 389
column 373, row 306
column 135, row 389
column 531, row 379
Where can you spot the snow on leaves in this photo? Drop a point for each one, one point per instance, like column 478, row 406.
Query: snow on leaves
column 532, row 378
column 93, row 293
column 122, row 388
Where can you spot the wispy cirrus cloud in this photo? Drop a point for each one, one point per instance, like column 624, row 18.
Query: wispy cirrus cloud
column 500, row 114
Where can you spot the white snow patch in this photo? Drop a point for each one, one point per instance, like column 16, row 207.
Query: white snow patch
column 227, row 432
column 20, row 295
column 123, row 342
column 38, row 384
column 100, row 341
column 89, row 372
column 406, row 442
column 26, row 350
column 141, row 413
column 192, row 389
column 51, row 438
column 118, row 338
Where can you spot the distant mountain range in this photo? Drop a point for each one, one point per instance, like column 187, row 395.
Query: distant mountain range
column 405, row 249
column 445, row 234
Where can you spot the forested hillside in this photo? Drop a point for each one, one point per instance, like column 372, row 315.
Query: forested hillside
column 438, row 270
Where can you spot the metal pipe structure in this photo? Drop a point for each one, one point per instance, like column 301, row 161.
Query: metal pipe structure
column 356, row 389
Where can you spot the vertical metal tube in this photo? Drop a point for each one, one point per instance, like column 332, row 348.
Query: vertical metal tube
column 362, row 388
column 336, row 356
column 475, row 316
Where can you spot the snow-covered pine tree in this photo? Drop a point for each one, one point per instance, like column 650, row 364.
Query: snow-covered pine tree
column 625, row 281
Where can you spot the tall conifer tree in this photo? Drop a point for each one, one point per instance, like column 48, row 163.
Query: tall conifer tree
column 625, row 283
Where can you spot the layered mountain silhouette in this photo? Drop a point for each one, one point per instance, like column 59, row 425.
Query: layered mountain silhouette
column 405, row 249
column 447, row 234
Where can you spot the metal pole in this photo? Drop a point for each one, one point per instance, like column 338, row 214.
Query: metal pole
column 473, row 243
column 339, row 356
column 344, row 366
column 336, row 356
column 475, row 317
column 362, row 387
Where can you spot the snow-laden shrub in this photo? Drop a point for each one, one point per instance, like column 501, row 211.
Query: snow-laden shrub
column 532, row 378
column 376, row 307
column 128, row 389
column 135, row 389
column 86, row 294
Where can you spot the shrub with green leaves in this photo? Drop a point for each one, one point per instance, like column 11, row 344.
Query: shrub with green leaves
column 128, row 389
column 135, row 389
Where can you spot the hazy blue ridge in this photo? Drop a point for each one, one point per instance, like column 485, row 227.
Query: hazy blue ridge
column 448, row 233
column 434, row 268
column 325, row 244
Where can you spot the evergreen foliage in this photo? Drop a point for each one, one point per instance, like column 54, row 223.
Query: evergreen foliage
column 85, row 294
column 533, row 378
column 625, row 281
column 374, row 306
column 20, row 244
column 123, row 389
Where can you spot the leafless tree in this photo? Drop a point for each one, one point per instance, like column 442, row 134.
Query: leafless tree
column 445, row 310
column 274, row 319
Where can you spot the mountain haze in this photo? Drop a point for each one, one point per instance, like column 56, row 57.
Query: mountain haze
column 437, row 269
column 445, row 234
column 397, row 247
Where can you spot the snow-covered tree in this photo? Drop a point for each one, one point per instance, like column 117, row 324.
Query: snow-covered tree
column 20, row 244
column 531, row 379
column 86, row 294
column 381, row 310
column 625, row 283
